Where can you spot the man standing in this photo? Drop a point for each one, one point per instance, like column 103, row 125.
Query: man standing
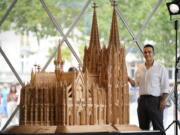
column 152, row 80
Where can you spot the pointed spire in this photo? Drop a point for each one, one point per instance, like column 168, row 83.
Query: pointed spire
column 59, row 62
column 94, row 41
column 114, row 33
column 59, row 55
column 91, row 59
column 114, row 3
column 32, row 78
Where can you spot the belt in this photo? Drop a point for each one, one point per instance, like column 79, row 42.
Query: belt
column 149, row 96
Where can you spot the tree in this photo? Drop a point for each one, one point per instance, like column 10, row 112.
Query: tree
column 29, row 16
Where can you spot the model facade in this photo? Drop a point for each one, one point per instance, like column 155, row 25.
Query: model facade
column 96, row 95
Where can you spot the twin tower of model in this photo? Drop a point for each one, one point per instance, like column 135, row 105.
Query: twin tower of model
column 97, row 95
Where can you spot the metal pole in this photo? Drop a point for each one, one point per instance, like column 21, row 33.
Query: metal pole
column 176, row 72
column 20, row 81
column 7, row 12
column 12, row 68
column 177, row 61
column 148, row 18
column 8, row 62
column 10, row 118
column 69, row 30
column 59, row 28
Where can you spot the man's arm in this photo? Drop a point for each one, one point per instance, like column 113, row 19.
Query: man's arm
column 165, row 88
column 131, row 81
column 163, row 101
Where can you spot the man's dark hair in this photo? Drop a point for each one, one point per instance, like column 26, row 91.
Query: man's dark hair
column 72, row 69
column 149, row 45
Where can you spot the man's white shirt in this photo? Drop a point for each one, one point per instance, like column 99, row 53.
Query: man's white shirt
column 152, row 81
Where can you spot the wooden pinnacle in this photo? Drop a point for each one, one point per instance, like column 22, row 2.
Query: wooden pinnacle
column 35, row 67
column 94, row 5
column 38, row 67
column 114, row 3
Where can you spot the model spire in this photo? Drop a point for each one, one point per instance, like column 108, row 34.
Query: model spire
column 59, row 62
column 114, row 34
column 94, row 41
column 91, row 59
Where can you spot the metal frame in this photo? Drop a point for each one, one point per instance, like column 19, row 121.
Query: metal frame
column 60, row 30
column 8, row 62
column 11, row 66
column 7, row 12
column 135, row 37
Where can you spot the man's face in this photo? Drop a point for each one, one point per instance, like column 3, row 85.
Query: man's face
column 148, row 53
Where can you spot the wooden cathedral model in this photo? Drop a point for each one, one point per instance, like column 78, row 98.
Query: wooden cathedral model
column 97, row 95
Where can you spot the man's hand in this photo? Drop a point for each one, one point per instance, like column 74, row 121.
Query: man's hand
column 162, row 104
column 163, row 101
column 131, row 81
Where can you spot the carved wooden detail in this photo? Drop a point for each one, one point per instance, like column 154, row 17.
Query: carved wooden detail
column 97, row 95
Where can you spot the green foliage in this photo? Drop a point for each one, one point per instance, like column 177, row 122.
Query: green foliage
column 29, row 16
column 66, row 54
column 81, row 51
